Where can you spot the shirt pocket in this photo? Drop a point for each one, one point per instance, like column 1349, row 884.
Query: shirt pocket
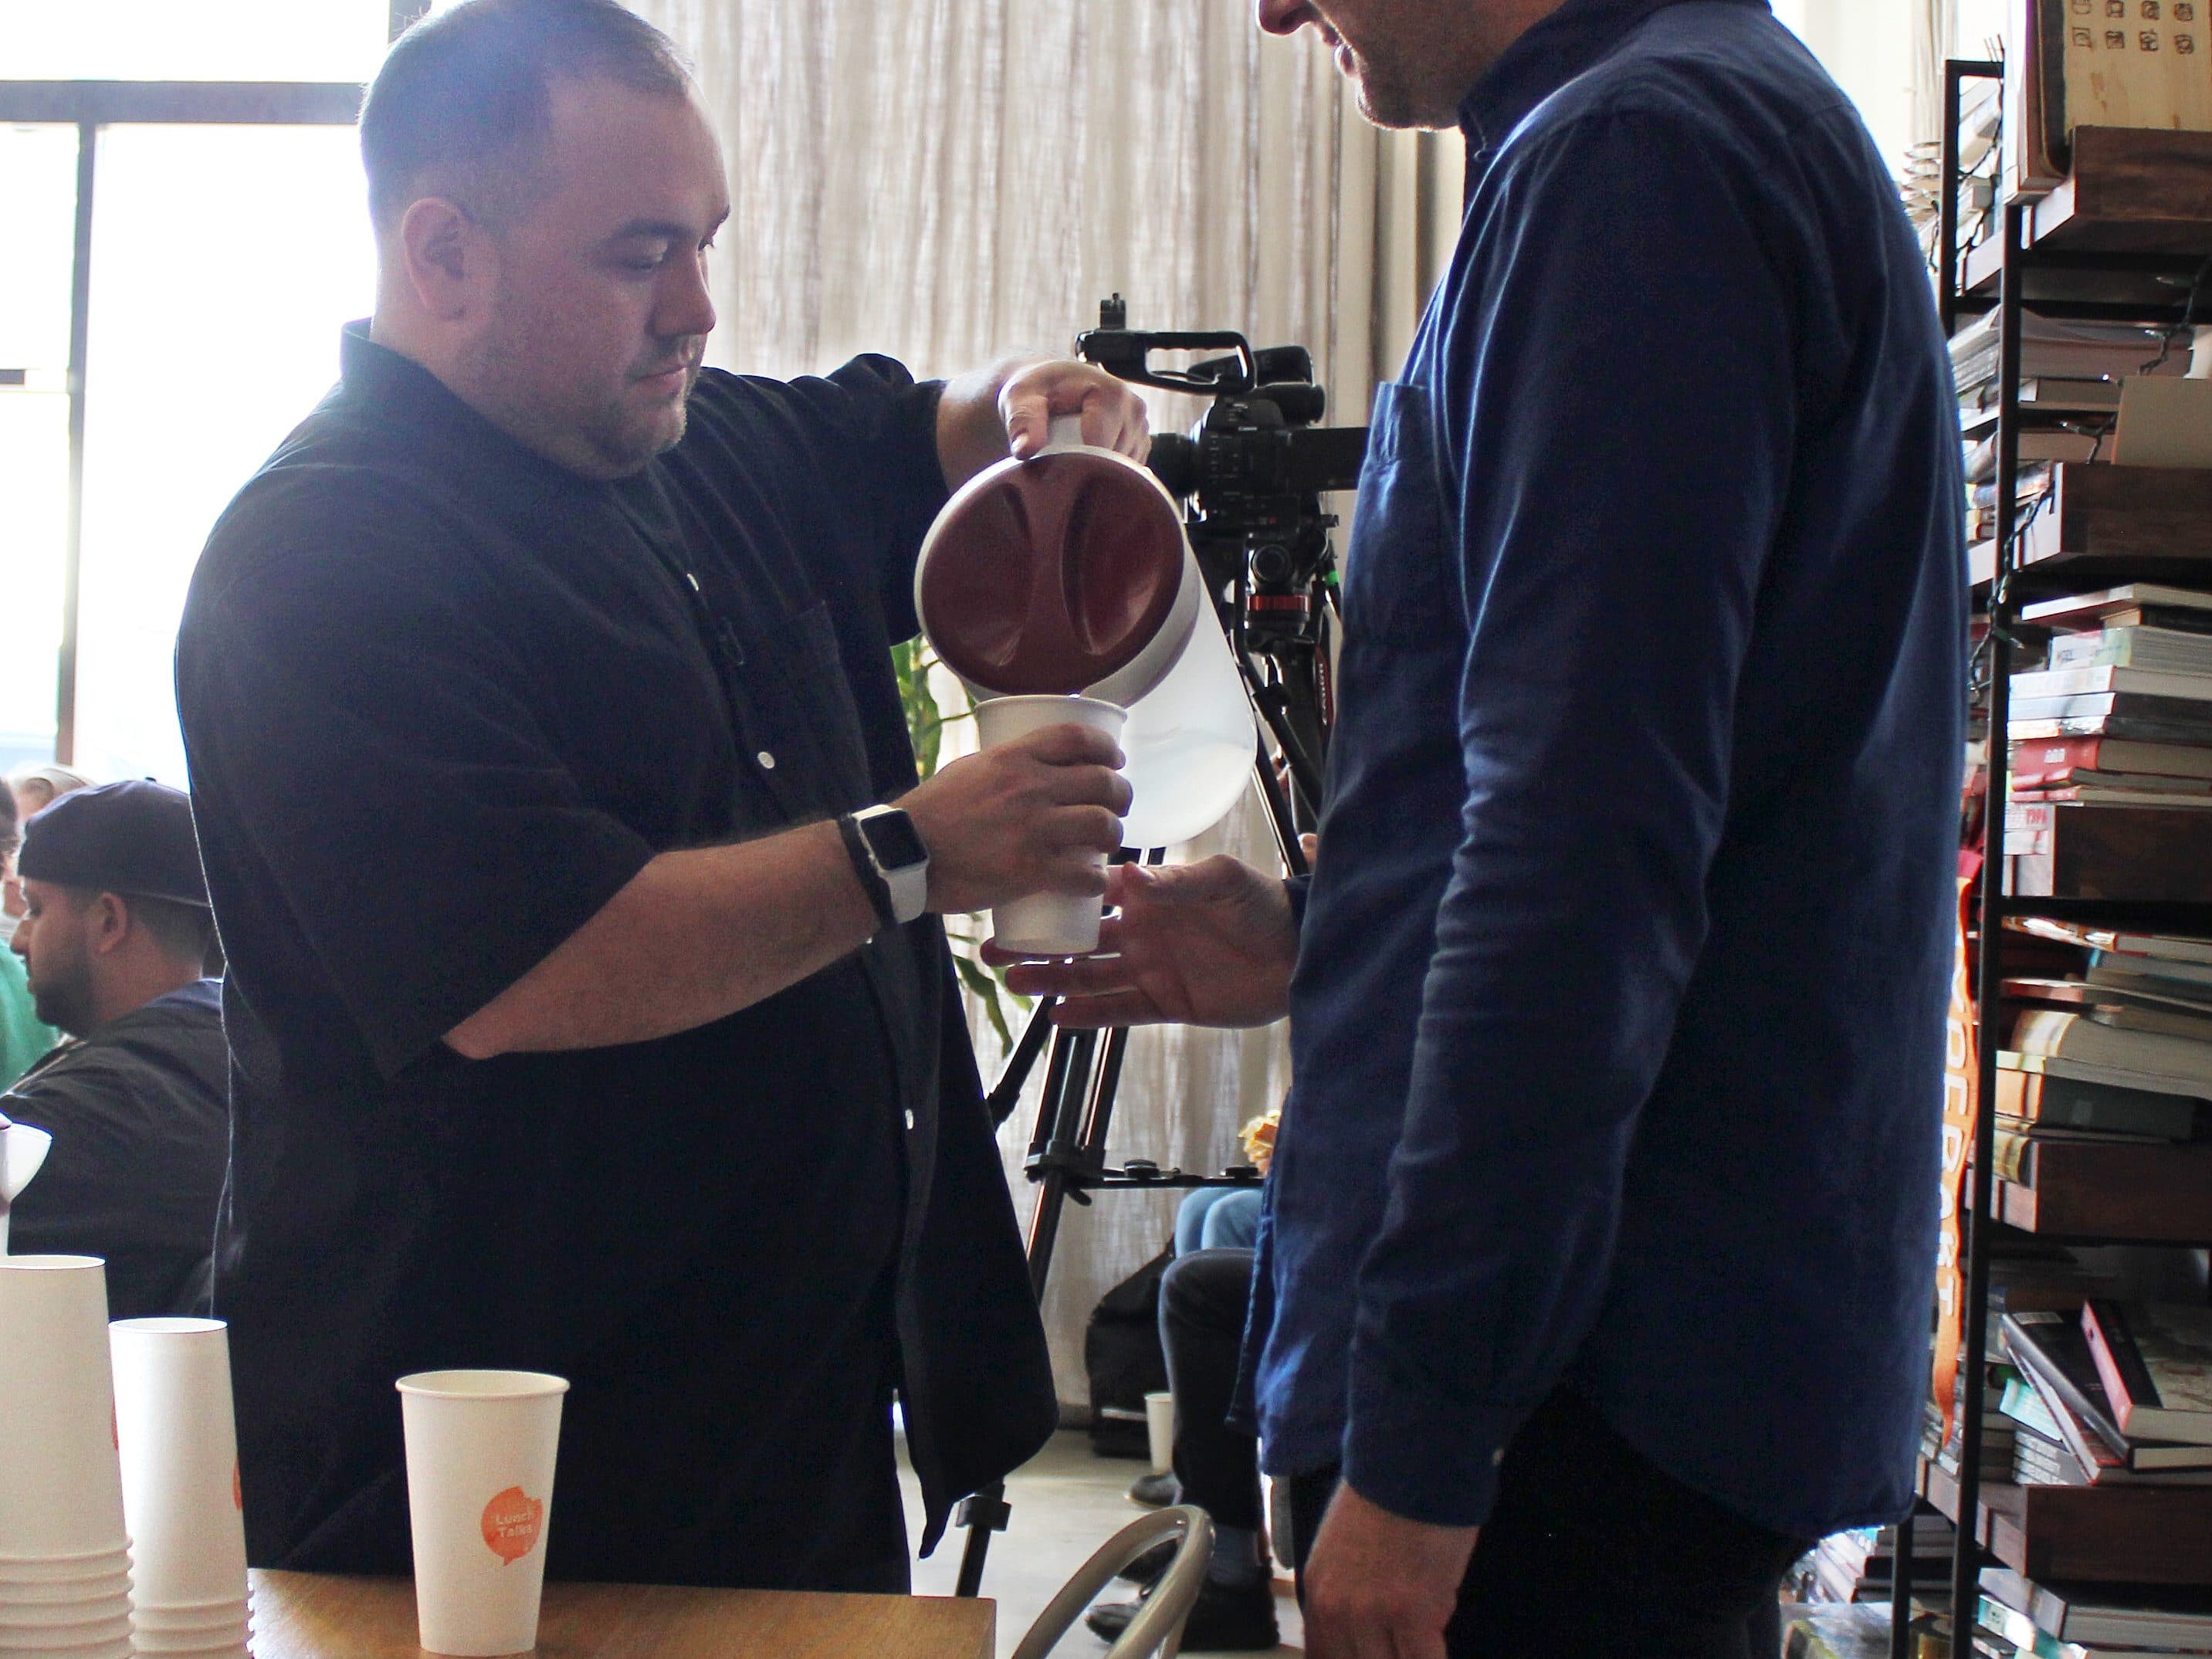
column 1400, row 582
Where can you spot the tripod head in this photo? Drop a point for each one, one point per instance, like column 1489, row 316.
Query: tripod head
column 1250, row 477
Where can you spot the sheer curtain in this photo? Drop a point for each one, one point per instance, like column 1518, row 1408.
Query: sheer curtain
column 948, row 180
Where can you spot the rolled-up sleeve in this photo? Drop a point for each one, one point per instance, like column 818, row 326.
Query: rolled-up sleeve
column 1614, row 420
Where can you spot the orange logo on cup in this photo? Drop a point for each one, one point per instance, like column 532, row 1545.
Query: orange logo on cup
column 512, row 1522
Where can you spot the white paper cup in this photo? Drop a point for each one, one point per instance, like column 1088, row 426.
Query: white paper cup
column 63, row 1591
column 86, row 1633
column 1046, row 924
column 1159, row 1422
column 480, row 1453
column 168, row 1621
column 179, row 1441
column 62, row 1492
column 52, row 1615
column 62, row 1569
column 227, row 1639
column 185, row 1614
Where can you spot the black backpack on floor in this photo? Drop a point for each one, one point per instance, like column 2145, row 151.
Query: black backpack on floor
column 1121, row 1352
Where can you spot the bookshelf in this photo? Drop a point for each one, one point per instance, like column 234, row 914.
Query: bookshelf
column 2126, row 238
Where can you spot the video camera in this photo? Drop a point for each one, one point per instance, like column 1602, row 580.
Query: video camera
column 1251, row 476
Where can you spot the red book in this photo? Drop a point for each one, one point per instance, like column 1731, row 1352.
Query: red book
column 2054, row 758
column 2158, row 1379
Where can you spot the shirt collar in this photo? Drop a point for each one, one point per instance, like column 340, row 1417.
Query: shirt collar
column 1550, row 54
column 398, row 388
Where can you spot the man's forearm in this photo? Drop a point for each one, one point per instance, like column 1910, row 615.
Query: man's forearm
column 692, row 937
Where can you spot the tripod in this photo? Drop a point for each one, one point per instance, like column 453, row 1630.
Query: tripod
column 1284, row 672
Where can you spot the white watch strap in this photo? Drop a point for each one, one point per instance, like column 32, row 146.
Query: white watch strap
column 909, row 890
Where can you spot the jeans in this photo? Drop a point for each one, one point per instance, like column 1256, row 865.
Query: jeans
column 1218, row 1218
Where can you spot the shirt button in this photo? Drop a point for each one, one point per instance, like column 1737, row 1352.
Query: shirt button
column 766, row 760
column 1497, row 1457
column 909, row 1119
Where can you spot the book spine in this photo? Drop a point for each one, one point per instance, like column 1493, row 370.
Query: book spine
column 2127, row 1380
column 2033, row 763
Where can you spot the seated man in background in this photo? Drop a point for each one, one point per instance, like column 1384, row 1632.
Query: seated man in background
column 114, row 936
column 23, row 1036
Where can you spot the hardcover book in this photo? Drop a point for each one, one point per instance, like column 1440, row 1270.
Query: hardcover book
column 2155, row 1361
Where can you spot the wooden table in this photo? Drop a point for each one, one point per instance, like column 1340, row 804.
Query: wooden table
column 302, row 1615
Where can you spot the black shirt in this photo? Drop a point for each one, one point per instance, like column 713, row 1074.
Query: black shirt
column 442, row 699
column 141, row 1123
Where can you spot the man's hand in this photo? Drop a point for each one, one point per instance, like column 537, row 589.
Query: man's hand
column 1008, row 409
column 1378, row 1586
column 1210, row 944
column 1026, row 816
column 1114, row 415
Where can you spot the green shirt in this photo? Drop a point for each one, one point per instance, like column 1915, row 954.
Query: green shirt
column 23, row 1037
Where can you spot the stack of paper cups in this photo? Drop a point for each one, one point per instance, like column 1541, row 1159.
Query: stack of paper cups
column 180, row 1492
column 65, row 1557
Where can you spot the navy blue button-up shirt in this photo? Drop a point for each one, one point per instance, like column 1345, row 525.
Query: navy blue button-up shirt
column 1618, row 1026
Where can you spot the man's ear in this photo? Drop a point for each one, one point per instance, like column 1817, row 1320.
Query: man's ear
column 449, row 260
column 106, row 923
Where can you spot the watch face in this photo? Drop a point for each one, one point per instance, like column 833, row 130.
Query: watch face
column 891, row 838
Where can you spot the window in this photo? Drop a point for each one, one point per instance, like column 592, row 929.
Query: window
column 187, row 232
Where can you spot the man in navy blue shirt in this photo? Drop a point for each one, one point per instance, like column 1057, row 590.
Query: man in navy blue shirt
column 1602, row 1222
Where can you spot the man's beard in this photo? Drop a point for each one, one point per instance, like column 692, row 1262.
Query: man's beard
column 62, row 1006
column 620, row 437
column 1385, row 99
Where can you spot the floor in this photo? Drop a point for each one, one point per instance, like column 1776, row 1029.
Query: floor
column 1066, row 1504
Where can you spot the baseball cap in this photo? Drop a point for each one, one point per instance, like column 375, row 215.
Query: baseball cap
column 133, row 837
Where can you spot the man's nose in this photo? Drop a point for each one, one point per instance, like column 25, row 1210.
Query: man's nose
column 1283, row 17
column 686, row 310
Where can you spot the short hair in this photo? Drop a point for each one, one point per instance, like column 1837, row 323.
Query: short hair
column 463, row 103
column 11, row 821
column 185, row 932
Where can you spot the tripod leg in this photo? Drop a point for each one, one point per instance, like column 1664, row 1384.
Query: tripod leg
column 1068, row 1092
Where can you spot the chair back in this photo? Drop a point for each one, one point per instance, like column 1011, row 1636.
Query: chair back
column 1157, row 1627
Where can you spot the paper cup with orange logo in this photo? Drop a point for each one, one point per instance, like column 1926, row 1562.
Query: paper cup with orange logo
column 480, row 1451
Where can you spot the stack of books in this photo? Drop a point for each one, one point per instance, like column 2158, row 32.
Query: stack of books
column 2119, row 1394
column 2072, row 376
column 2117, row 1054
column 2021, row 1618
column 2073, row 365
column 1860, row 1566
column 1999, row 1434
column 2111, row 748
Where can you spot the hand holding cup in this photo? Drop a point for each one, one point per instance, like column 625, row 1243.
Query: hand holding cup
column 1034, row 812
